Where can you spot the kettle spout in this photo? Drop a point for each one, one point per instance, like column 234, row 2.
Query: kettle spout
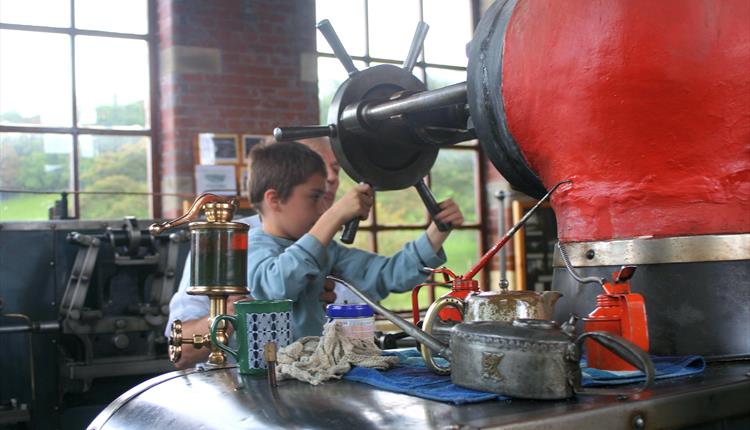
column 549, row 298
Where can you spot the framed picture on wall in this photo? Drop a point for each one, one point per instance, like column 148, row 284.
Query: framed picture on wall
column 221, row 180
column 242, row 178
column 249, row 141
column 217, row 148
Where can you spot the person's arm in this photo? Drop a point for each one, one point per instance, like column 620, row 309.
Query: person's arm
column 275, row 272
column 450, row 214
column 355, row 203
column 377, row 276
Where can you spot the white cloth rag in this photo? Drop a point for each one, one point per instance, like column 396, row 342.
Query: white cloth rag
column 315, row 359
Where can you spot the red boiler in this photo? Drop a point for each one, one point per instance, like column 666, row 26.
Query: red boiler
column 646, row 106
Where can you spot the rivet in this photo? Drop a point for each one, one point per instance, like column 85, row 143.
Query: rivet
column 590, row 254
column 639, row 422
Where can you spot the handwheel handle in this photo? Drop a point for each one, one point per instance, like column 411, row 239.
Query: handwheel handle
column 350, row 231
column 431, row 204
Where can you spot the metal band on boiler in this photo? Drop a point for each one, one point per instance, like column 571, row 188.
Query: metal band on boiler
column 678, row 249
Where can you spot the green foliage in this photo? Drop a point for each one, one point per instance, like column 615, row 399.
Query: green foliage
column 128, row 115
column 106, row 163
column 30, row 207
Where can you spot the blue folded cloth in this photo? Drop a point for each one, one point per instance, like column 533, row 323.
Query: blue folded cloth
column 666, row 367
column 411, row 377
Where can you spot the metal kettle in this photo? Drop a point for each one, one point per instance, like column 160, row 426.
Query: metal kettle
column 527, row 358
column 506, row 305
column 503, row 305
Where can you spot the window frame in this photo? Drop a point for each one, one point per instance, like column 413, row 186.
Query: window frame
column 152, row 129
column 480, row 226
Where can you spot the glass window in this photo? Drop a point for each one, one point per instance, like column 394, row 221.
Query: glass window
column 393, row 40
column 400, row 216
column 61, row 84
column 112, row 164
column 450, row 30
column 348, row 19
column 119, row 16
column 55, row 13
column 439, row 78
column 331, row 74
column 112, row 82
column 33, row 162
column 35, row 67
column 453, row 175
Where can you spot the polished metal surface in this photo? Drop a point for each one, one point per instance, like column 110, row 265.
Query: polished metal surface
column 224, row 399
column 532, row 359
column 680, row 249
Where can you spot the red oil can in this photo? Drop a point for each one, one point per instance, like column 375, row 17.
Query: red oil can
column 621, row 312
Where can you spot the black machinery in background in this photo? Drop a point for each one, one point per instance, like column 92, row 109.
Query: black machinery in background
column 82, row 317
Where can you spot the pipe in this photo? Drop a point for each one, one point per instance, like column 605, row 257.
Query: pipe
column 432, row 343
column 420, row 102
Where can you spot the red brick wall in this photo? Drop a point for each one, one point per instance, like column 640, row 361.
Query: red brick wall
column 229, row 66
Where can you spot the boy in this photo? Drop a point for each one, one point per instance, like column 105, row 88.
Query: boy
column 193, row 310
column 293, row 252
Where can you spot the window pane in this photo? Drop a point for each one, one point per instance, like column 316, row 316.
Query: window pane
column 453, row 176
column 112, row 83
column 390, row 242
column 348, row 19
column 35, row 83
column 114, row 164
column 51, row 13
column 439, row 78
column 392, row 25
column 402, row 207
column 331, row 75
column 120, row 16
column 40, row 162
column 450, row 31
column 462, row 250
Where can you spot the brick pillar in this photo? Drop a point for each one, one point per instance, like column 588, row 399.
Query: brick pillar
column 230, row 66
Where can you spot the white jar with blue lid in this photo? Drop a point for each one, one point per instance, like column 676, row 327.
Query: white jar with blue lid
column 356, row 321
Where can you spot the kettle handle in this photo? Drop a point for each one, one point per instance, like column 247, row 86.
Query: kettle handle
column 429, row 321
column 626, row 350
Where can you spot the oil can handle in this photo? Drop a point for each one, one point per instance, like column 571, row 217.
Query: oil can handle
column 624, row 349
column 429, row 321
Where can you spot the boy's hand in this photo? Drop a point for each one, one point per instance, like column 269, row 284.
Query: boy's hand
column 450, row 214
column 328, row 295
column 355, row 203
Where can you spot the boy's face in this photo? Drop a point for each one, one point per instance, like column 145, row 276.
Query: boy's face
column 301, row 210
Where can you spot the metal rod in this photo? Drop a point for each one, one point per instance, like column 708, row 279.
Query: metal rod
column 586, row 280
column 303, row 132
column 30, row 346
column 502, row 264
column 424, row 101
column 432, row 343
column 432, row 205
column 114, row 193
column 491, row 253
column 326, row 29
column 417, row 43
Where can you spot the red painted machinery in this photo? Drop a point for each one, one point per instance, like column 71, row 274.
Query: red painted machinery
column 644, row 104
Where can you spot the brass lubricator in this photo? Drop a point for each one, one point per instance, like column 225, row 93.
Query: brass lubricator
column 218, row 266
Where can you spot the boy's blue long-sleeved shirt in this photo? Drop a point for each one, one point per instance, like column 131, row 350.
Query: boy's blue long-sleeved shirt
column 279, row 268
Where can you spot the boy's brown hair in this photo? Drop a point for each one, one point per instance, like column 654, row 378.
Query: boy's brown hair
column 281, row 167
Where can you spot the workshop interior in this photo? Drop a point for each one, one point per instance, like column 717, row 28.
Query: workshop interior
column 599, row 153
